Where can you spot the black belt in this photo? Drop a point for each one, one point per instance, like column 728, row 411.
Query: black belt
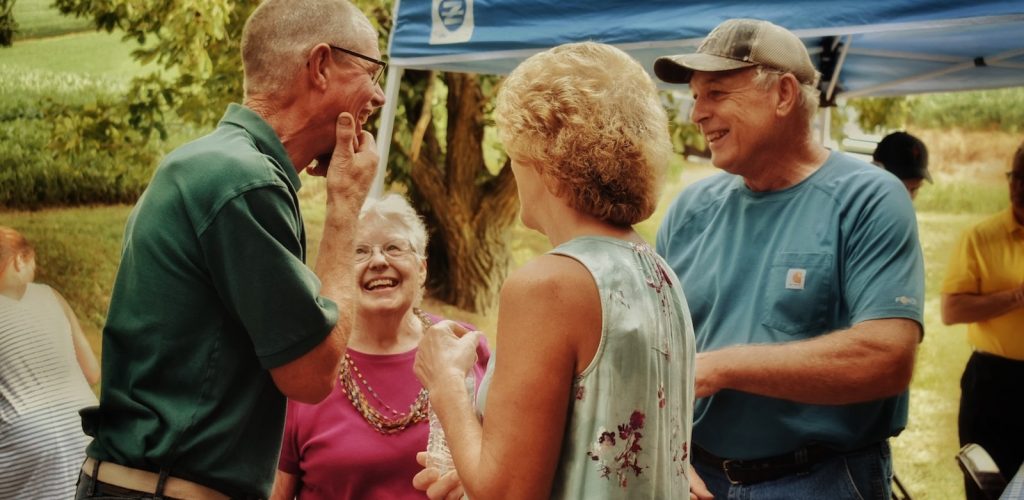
column 767, row 469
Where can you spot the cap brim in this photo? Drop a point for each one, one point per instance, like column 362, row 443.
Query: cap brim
column 680, row 68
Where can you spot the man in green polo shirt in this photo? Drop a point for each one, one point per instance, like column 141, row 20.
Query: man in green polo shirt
column 214, row 317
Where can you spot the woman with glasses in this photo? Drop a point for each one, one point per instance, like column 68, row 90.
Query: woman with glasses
column 361, row 442
column 591, row 391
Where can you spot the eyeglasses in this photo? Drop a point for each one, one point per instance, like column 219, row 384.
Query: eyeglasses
column 1015, row 176
column 381, row 64
column 393, row 249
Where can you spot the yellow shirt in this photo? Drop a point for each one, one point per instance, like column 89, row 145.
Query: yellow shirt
column 990, row 258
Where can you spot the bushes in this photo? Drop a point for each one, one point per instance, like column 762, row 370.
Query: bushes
column 1001, row 109
column 38, row 164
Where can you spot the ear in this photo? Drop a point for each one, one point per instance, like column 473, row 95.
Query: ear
column 788, row 95
column 317, row 67
column 423, row 272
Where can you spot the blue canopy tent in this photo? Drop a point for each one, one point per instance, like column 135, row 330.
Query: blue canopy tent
column 862, row 48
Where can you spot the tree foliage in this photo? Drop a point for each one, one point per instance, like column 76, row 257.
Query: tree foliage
column 685, row 135
column 876, row 114
column 194, row 48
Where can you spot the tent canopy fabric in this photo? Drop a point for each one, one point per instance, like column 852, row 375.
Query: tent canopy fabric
column 881, row 47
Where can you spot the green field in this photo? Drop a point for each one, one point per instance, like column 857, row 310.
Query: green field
column 88, row 55
column 36, row 18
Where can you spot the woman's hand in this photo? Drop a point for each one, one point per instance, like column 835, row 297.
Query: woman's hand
column 698, row 490
column 435, row 485
column 446, row 353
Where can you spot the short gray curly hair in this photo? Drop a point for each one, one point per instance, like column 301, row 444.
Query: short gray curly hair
column 395, row 210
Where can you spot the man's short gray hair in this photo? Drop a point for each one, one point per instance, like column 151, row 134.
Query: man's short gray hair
column 279, row 33
column 807, row 102
column 394, row 211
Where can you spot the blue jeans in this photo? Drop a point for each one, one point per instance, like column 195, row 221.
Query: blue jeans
column 861, row 475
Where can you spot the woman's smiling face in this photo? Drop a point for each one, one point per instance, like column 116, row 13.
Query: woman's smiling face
column 393, row 273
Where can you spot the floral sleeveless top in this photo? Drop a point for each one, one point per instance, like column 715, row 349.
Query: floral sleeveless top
column 628, row 432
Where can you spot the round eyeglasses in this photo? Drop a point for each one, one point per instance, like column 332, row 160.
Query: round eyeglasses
column 393, row 249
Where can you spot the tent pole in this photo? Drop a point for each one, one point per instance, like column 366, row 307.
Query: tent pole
column 825, row 117
column 387, row 127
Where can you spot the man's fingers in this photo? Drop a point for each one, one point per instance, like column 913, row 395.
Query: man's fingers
column 345, row 136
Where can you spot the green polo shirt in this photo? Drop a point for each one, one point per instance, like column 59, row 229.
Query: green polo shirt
column 211, row 292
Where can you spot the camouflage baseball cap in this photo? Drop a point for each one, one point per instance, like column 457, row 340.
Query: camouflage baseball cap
column 741, row 43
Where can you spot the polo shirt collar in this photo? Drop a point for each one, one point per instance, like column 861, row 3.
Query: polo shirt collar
column 1011, row 224
column 263, row 134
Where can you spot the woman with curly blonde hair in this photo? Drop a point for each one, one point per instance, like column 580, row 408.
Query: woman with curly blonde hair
column 591, row 392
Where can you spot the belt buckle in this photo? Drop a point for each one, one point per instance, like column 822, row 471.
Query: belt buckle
column 725, row 469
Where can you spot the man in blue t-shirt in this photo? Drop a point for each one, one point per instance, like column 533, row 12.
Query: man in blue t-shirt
column 804, row 276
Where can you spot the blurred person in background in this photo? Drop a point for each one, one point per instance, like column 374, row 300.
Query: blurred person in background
column 984, row 287
column 46, row 367
column 906, row 157
column 361, row 442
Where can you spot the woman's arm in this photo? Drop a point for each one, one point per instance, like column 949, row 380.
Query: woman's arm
column 285, row 486
column 549, row 326
column 83, row 351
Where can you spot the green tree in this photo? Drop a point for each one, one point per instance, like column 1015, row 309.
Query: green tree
column 875, row 114
column 686, row 137
column 438, row 142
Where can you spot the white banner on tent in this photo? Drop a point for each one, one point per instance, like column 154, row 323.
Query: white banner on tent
column 451, row 21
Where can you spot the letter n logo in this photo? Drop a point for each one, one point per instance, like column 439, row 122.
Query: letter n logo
column 452, row 21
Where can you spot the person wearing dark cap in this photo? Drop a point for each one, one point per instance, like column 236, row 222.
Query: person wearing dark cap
column 906, row 157
column 804, row 276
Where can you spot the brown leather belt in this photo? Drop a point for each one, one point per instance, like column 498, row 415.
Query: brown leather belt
column 145, row 481
column 766, row 469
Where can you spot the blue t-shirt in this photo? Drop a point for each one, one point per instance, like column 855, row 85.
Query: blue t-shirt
column 838, row 248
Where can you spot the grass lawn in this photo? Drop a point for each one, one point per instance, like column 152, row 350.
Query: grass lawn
column 38, row 18
column 89, row 55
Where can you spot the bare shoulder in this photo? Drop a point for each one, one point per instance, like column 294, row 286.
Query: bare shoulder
column 551, row 278
column 550, row 316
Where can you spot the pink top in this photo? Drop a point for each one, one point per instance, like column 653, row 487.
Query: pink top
column 335, row 454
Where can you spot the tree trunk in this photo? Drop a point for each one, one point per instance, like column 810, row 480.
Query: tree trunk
column 469, row 209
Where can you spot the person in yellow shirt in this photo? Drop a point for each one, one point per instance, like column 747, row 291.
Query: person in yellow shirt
column 984, row 288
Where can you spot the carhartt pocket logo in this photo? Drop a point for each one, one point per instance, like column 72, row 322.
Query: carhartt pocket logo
column 795, row 278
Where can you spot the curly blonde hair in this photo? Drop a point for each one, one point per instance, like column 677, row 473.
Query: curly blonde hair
column 588, row 116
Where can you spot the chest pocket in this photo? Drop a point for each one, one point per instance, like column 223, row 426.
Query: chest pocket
column 799, row 293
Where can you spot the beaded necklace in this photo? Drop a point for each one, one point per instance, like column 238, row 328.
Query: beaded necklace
column 383, row 423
